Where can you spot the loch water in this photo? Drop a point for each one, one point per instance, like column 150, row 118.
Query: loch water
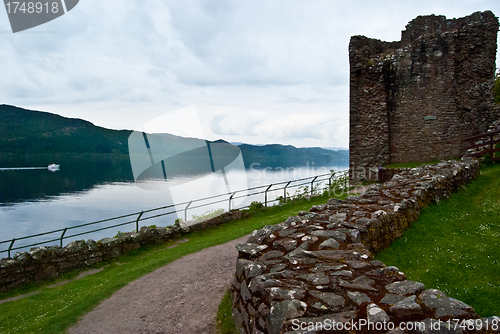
column 88, row 189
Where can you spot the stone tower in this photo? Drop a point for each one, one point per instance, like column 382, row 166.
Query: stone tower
column 418, row 98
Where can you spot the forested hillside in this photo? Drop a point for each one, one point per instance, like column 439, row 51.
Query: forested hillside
column 25, row 131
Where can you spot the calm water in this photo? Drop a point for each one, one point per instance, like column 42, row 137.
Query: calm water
column 86, row 190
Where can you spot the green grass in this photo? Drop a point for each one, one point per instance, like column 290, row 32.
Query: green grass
column 412, row 164
column 54, row 310
column 225, row 323
column 453, row 246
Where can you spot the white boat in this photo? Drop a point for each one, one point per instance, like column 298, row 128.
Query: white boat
column 53, row 167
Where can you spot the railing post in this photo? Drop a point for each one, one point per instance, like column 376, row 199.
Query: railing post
column 137, row 222
column 266, row 193
column 230, row 198
column 330, row 180
column 10, row 247
column 312, row 182
column 62, row 235
column 284, row 191
column 186, row 209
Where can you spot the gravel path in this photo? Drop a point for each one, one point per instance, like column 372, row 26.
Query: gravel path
column 181, row 297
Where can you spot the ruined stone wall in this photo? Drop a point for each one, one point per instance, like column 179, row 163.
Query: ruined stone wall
column 317, row 267
column 46, row 262
column 417, row 99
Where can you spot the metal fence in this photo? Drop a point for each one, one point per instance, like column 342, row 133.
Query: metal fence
column 307, row 184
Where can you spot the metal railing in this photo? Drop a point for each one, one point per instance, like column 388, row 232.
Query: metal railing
column 146, row 215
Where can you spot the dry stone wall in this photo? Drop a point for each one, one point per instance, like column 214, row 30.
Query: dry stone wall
column 43, row 263
column 318, row 267
column 418, row 98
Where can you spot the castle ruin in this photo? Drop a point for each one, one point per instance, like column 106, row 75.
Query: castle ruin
column 418, row 98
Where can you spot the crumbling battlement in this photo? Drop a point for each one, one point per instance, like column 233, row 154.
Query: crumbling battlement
column 417, row 99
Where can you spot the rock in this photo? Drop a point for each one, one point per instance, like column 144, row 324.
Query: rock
column 299, row 255
column 297, row 235
column 283, row 311
column 376, row 314
column 250, row 249
column 259, row 283
column 258, row 236
column 405, row 288
column 270, row 255
column 391, row 299
column 22, row 258
column 449, row 312
column 238, row 320
column 106, row 242
column 244, row 292
column 249, row 268
column 358, row 264
column 236, row 214
column 333, row 300
column 318, row 278
column 276, row 293
column 47, row 273
column 91, row 245
column 391, row 272
column 328, row 267
column 338, row 217
column 329, row 244
column 434, row 298
column 360, row 283
column 38, row 253
column 406, row 307
column 318, row 208
column 445, row 307
column 358, row 297
column 56, row 251
column 460, row 304
column 263, row 310
column 286, row 232
column 339, row 236
column 255, row 330
column 292, row 219
column 287, row 244
column 346, row 273
column 377, row 263
column 277, row 268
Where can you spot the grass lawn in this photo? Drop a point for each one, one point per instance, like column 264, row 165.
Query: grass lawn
column 54, row 310
column 454, row 245
column 411, row 164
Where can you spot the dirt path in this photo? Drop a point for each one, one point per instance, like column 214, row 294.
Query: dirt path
column 179, row 298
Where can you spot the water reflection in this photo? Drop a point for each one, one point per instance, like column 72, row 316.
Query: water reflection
column 91, row 189
column 76, row 174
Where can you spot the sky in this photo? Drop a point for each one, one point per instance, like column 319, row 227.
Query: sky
column 259, row 72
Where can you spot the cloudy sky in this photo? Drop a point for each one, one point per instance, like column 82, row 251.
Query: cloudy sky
column 256, row 71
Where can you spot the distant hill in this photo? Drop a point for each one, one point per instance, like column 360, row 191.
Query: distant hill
column 25, row 131
column 287, row 156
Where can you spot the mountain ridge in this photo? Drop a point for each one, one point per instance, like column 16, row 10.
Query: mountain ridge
column 24, row 131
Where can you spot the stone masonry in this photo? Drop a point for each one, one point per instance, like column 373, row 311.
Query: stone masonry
column 47, row 262
column 418, row 98
column 317, row 268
